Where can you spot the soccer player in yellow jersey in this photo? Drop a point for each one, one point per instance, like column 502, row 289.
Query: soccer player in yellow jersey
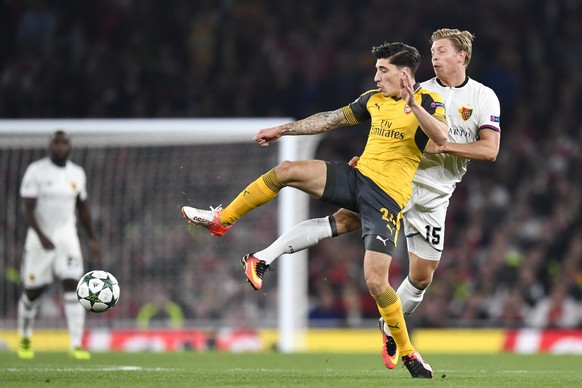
column 473, row 116
column 403, row 118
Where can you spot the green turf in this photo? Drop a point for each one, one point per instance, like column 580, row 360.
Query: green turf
column 107, row 370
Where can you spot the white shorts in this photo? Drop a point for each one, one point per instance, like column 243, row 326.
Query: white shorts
column 424, row 223
column 41, row 266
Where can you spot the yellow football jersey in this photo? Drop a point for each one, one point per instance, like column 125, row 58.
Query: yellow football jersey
column 396, row 141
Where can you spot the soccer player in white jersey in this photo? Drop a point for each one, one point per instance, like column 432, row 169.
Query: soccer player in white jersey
column 473, row 113
column 52, row 190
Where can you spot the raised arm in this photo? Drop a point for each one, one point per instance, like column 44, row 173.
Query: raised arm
column 435, row 129
column 317, row 123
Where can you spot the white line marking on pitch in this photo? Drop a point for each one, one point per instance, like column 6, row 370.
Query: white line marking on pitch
column 83, row 369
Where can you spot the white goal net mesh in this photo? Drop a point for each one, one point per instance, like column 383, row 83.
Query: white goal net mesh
column 138, row 180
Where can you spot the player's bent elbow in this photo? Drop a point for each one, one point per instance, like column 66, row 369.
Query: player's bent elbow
column 485, row 157
column 492, row 156
column 441, row 137
column 439, row 140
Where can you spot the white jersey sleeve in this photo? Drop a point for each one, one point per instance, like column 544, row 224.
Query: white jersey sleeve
column 489, row 110
column 29, row 187
column 471, row 107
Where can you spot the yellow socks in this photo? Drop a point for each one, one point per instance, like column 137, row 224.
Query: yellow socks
column 261, row 191
column 391, row 310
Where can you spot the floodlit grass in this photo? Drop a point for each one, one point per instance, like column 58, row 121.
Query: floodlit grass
column 107, row 370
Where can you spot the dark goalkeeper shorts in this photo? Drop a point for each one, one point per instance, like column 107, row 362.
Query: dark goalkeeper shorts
column 346, row 187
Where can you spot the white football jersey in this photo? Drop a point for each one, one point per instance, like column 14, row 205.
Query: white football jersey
column 470, row 108
column 56, row 190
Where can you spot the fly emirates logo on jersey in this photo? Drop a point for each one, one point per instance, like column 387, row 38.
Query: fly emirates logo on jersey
column 385, row 130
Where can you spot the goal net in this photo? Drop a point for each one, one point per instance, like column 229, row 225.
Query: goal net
column 140, row 173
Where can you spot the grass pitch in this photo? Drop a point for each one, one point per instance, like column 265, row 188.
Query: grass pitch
column 284, row 370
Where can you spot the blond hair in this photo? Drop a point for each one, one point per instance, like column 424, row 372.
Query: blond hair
column 461, row 40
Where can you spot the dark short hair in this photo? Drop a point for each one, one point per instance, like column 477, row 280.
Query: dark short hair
column 399, row 54
column 59, row 132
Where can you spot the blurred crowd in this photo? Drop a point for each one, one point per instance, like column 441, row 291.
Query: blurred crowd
column 513, row 248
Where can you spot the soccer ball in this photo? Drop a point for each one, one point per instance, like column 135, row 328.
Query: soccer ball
column 98, row 291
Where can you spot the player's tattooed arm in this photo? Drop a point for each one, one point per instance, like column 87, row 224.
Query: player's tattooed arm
column 317, row 123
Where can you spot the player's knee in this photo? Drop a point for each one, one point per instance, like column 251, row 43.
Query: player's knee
column 34, row 293
column 346, row 222
column 69, row 285
column 285, row 171
column 420, row 280
column 421, row 271
column 376, row 284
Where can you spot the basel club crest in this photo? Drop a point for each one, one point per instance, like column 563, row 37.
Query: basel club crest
column 466, row 113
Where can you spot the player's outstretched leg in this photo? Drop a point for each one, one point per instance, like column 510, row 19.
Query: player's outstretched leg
column 389, row 348
column 417, row 367
column 209, row 219
column 254, row 270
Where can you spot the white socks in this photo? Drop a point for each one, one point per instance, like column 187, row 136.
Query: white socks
column 27, row 311
column 303, row 235
column 75, row 314
column 410, row 296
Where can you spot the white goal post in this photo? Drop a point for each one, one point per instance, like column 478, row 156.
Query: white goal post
column 292, row 205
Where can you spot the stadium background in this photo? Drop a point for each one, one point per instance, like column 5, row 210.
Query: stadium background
column 513, row 253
